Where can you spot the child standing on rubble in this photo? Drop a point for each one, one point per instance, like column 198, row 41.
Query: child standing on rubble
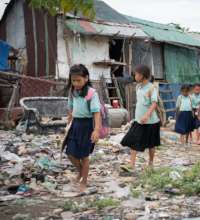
column 84, row 131
column 196, row 105
column 145, row 131
column 184, row 115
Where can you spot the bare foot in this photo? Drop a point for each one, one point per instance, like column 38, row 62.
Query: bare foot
column 82, row 187
column 150, row 165
column 77, row 179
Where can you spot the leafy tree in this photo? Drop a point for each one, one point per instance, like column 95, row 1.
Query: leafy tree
column 85, row 7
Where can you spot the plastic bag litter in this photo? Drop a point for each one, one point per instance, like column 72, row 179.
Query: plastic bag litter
column 16, row 170
column 8, row 156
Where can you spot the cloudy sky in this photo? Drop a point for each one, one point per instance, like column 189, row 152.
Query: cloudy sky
column 183, row 12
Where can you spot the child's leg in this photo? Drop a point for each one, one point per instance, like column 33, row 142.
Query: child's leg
column 84, row 172
column 77, row 164
column 186, row 138
column 151, row 155
column 191, row 137
column 197, row 134
column 182, row 139
column 198, row 137
column 133, row 158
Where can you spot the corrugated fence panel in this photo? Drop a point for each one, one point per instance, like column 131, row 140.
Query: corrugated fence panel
column 52, row 32
column 40, row 31
column 181, row 65
column 29, row 40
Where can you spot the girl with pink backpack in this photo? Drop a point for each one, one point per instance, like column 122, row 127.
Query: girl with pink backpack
column 85, row 118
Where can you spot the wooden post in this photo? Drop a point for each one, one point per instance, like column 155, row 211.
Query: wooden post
column 7, row 121
column 130, row 57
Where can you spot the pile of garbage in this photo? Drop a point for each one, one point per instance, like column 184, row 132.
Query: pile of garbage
column 36, row 184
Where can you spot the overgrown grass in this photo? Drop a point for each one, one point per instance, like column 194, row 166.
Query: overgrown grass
column 187, row 182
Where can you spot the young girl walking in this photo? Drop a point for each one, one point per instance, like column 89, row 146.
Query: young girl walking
column 184, row 118
column 145, row 131
column 196, row 104
column 85, row 118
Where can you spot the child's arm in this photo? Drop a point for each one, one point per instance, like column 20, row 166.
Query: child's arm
column 95, row 133
column 95, row 107
column 69, row 117
column 70, row 110
column 147, row 115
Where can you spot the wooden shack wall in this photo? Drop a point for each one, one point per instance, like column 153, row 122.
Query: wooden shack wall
column 130, row 93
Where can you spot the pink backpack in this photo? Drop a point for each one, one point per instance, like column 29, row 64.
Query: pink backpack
column 104, row 130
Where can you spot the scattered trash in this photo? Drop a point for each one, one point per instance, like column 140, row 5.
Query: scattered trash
column 7, row 156
column 174, row 175
column 33, row 179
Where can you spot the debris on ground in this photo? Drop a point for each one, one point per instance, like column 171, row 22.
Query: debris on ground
column 35, row 184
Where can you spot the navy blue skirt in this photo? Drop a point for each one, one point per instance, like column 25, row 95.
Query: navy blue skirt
column 184, row 122
column 196, row 123
column 78, row 142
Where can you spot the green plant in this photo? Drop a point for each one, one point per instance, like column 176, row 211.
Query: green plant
column 86, row 7
column 160, row 179
column 135, row 193
column 106, row 202
column 70, row 206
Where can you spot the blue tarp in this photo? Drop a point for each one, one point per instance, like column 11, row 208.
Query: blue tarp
column 4, row 52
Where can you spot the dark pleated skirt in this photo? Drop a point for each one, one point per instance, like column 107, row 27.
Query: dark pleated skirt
column 196, row 123
column 185, row 122
column 140, row 137
column 78, row 142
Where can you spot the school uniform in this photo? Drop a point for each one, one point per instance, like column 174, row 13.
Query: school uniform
column 184, row 119
column 78, row 142
column 142, row 136
column 196, row 105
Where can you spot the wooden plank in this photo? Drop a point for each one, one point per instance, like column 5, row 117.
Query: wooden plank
column 29, row 77
column 6, row 86
column 46, row 44
column 109, row 63
column 130, row 93
column 52, row 33
column 11, row 103
column 30, row 46
column 35, row 41
column 41, row 42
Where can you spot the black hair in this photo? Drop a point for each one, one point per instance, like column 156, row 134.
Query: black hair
column 79, row 70
column 152, row 79
column 143, row 70
column 196, row 85
column 185, row 88
column 191, row 87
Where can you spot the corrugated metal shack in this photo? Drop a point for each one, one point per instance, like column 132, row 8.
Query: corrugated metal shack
column 173, row 55
column 112, row 45
column 34, row 33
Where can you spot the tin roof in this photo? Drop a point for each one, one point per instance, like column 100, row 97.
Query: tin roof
column 164, row 33
column 105, row 29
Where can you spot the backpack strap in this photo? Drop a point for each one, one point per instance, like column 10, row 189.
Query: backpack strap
column 149, row 93
column 90, row 93
column 89, row 96
column 190, row 101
